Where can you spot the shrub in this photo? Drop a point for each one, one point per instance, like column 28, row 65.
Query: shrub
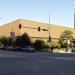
column 39, row 45
column 4, row 41
column 22, row 41
column 25, row 39
column 54, row 44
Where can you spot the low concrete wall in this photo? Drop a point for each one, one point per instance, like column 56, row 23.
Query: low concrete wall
column 62, row 51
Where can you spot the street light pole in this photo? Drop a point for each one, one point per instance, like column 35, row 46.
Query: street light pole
column 74, row 12
column 49, row 32
column 49, row 24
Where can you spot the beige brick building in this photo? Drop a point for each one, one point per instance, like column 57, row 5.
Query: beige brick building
column 31, row 28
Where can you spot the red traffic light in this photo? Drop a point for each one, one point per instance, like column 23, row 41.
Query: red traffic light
column 20, row 26
column 38, row 28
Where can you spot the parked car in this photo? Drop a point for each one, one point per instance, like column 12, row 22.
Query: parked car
column 29, row 49
column 13, row 48
column 8, row 48
column 17, row 49
column 4, row 48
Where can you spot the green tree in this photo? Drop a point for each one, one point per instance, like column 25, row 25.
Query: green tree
column 10, row 41
column 17, row 42
column 39, row 45
column 25, row 39
column 64, row 37
column 55, row 44
column 4, row 41
column 22, row 41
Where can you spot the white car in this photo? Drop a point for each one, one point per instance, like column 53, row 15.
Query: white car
column 29, row 49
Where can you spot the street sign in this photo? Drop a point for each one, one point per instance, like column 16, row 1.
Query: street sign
column 12, row 34
column 44, row 29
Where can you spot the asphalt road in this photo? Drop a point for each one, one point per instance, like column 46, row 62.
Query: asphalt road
column 21, row 63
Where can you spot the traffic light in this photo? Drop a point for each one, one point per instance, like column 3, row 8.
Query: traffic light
column 20, row 26
column 38, row 28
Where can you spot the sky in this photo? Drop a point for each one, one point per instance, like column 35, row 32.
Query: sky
column 61, row 11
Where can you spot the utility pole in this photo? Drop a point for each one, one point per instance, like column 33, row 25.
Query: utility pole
column 49, row 33
column 49, row 25
column 74, row 12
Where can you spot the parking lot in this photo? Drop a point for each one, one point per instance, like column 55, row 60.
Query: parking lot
column 38, row 63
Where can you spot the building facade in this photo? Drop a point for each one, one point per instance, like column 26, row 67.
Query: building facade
column 31, row 28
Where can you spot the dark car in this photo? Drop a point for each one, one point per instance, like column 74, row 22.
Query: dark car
column 17, row 49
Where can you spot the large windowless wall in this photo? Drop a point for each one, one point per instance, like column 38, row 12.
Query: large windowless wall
column 31, row 28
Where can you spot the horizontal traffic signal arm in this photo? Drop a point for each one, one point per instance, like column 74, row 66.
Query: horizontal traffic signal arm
column 30, row 27
column 20, row 26
column 38, row 28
